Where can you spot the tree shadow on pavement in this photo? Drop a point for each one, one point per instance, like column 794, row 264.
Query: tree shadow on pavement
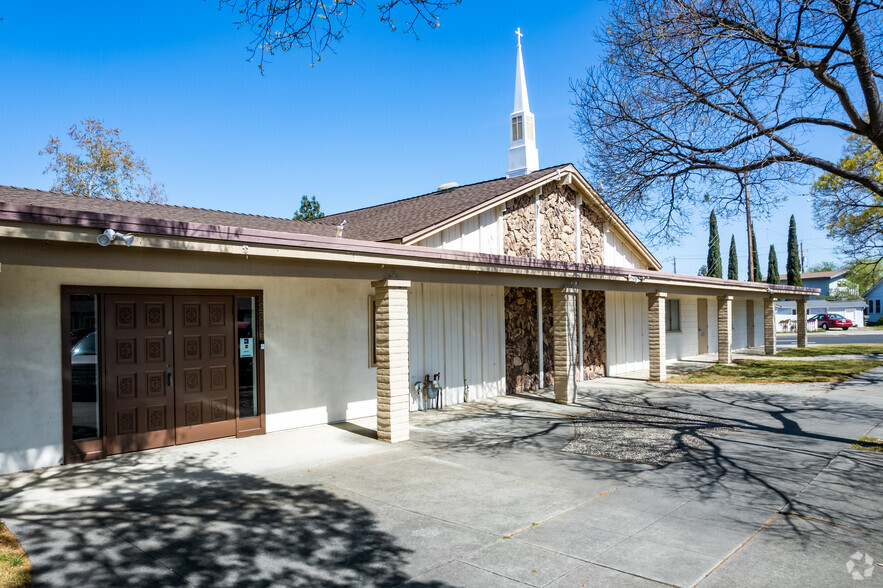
column 145, row 520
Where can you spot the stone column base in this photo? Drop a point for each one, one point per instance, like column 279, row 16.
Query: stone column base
column 391, row 336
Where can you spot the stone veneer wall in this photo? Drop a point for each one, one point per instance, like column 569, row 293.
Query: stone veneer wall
column 592, row 237
column 522, row 353
column 519, row 227
column 558, row 239
column 548, row 340
column 594, row 334
column 558, row 224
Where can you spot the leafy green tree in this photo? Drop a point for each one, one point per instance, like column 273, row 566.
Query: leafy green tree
column 864, row 273
column 758, row 275
column 309, row 209
column 851, row 213
column 792, row 266
column 100, row 165
column 825, row 266
column 713, row 265
column 733, row 266
column 772, row 270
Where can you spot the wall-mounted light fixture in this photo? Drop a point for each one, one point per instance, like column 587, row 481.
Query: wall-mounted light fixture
column 339, row 233
column 109, row 235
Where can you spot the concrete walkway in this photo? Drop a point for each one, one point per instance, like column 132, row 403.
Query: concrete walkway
column 481, row 496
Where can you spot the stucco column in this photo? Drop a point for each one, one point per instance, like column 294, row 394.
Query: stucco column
column 724, row 329
column 391, row 335
column 565, row 344
column 801, row 322
column 769, row 326
column 656, row 320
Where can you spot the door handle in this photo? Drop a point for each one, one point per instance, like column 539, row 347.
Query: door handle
column 170, row 378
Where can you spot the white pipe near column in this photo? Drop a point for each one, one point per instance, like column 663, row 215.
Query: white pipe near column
column 540, row 336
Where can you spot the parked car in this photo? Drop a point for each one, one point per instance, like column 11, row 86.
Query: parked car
column 832, row 321
column 84, row 368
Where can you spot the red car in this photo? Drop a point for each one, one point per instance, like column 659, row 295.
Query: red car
column 832, row 321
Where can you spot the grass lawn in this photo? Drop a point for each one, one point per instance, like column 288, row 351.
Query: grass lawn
column 846, row 349
column 772, row 371
column 15, row 568
column 869, row 443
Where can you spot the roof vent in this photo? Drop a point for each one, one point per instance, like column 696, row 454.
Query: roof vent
column 448, row 186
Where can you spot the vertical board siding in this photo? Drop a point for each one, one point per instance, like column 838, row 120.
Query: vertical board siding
column 627, row 333
column 712, row 324
column 617, row 253
column 479, row 233
column 471, row 236
column 457, row 331
column 758, row 323
column 490, row 240
column 415, row 341
column 740, row 331
column 453, row 373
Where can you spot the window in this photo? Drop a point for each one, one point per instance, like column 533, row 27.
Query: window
column 86, row 411
column 878, row 305
column 528, row 127
column 246, row 315
column 372, row 333
column 672, row 315
column 517, row 131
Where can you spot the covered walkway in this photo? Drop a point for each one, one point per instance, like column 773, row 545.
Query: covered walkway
column 481, row 495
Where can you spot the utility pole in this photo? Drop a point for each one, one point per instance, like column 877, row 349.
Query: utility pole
column 750, row 230
column 801, row 256
column 676, row 264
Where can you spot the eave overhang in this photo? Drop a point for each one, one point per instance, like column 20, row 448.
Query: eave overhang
column 66, row 226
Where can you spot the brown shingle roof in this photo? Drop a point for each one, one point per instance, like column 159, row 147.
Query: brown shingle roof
column 810, row 275
column 43, row 198
column 396, row 220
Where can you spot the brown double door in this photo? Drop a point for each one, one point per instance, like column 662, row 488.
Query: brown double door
column 169, row 370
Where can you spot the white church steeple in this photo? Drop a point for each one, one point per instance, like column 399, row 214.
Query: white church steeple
column 523, row 155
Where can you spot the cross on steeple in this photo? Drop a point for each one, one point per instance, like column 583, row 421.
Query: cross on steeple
column 523, row 157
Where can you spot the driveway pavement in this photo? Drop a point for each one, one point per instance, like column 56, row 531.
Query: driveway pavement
column 865, row 336
column 481, row 496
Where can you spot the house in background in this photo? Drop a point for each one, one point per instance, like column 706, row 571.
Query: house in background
column 874, row 298
column 131, row 326
column 786, row 312
column 828, row 283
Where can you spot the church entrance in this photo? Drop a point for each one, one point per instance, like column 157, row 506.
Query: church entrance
column 150, row 369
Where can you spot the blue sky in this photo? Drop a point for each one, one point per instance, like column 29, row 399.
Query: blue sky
column 385, row 117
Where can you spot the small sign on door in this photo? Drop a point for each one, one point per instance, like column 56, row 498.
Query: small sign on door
column 246, row 347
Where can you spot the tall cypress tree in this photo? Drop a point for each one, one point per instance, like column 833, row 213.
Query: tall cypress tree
column 758, row 275
column 714, row 267
column 772, row 268
column 793, row 263
column 733, row 266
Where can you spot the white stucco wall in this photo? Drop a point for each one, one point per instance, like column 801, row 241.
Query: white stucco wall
column 685, row 342
column 316, row 362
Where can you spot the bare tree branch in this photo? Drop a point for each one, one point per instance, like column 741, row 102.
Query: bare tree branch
column 695, row 93
column 316, row 25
